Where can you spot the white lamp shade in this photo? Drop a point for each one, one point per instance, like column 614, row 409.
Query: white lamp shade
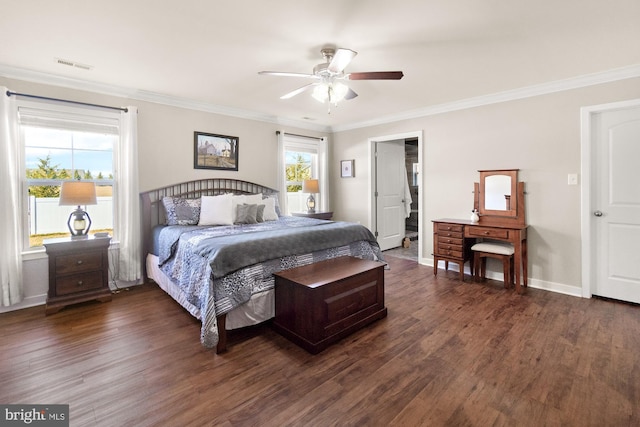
column 321, row 92
column 77, row 193
column 339, row 92
column 310, row 186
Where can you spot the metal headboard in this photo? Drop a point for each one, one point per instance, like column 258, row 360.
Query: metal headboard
column 152, row 210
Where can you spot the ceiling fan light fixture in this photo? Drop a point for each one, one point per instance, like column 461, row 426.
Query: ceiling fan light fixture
column 321, row 92
column 337, row 92
column 333, row 92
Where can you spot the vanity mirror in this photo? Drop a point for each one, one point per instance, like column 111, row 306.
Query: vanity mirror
column 499, row 196
column 497, row 188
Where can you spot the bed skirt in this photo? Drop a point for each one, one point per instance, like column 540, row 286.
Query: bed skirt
column 259, row 308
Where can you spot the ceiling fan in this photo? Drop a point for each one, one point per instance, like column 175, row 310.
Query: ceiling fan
column 329, row 77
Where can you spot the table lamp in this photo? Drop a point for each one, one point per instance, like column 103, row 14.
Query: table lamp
column 78, row 193
column 310, row 186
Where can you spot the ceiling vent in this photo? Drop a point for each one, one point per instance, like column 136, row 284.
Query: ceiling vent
column 73, row 64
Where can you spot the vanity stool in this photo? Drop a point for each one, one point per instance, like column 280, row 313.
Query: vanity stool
column 501, row 251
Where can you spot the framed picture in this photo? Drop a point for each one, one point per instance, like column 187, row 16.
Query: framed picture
column 347, row 168
column 211, row 151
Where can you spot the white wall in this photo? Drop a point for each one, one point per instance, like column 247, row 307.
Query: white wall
column 538, row 135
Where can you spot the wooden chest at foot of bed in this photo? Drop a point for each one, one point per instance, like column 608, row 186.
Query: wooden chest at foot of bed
column 320, row 303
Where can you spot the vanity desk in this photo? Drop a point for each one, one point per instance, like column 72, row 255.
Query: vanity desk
column 501, row 219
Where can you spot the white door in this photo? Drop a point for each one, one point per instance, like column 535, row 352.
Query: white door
column 390, row 183
column 616, row 205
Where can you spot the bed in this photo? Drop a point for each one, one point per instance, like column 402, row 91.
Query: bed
column 214, row 244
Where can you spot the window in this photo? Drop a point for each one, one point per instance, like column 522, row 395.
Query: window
column 303, row 158
column 63, row 143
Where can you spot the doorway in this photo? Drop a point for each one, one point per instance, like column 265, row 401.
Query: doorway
column 611, row 201
column 395, row 193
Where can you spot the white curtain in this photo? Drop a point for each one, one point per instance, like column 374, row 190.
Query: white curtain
column 127, row 230
column 10, row 213
column 282, row 179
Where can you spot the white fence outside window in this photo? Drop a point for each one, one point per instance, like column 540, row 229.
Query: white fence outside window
column 47, row 217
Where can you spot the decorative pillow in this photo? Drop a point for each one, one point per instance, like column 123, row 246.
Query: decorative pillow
column 269, row 209
column 239, row 199
column 260, row 213
column 181, row 211
column 216, row 210
column 236, row 200
column 247, row 214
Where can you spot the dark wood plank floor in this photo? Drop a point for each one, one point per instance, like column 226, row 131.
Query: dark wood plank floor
column 449, row 353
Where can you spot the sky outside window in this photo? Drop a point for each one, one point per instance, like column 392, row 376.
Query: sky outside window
column 70, row 150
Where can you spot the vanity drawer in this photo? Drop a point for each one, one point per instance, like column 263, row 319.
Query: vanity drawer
column 442, row 247
column 493, row 233
column 450, row 241
column 455, row 228
column 452, row 252
column 451, row 234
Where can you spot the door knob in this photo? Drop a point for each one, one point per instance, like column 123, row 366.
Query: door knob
column 597, row 213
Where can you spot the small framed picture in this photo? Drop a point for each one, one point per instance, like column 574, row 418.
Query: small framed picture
column 347, row 168
column 211, row 151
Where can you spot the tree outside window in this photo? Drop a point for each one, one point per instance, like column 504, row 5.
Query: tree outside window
column 298, row 168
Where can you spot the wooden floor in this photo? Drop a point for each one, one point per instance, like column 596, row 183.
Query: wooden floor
column 449, row 353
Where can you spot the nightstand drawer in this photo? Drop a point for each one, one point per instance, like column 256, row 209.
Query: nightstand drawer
column 78, row 263
column 78, row 283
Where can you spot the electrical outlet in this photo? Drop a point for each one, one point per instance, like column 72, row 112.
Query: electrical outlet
column 572, row 179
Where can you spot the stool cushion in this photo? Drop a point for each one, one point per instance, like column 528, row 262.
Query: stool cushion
column 493, row 248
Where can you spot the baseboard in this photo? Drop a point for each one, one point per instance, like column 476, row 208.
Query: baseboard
column 26, row 303
column 37, row 300
column 559, row 288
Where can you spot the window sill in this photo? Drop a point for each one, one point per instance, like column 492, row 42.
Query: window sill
column 40, row 253
column 33, row 254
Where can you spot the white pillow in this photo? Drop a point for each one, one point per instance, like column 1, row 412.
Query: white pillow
column 216, row 210
column 269, row 209
column 253, row 199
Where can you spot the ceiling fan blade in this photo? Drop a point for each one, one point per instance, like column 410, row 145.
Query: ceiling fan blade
column 376, row 75
column 341, row 59
column 298, row 91
column 350, row 94
column 285, row 74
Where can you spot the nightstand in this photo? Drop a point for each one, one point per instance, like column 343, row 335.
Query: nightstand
column 317, row 215
column 78, row 271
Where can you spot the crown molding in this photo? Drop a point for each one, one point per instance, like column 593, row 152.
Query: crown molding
column 585, row 80
column 157, row 98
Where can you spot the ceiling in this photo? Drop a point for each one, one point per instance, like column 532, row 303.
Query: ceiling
column 210, row 52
